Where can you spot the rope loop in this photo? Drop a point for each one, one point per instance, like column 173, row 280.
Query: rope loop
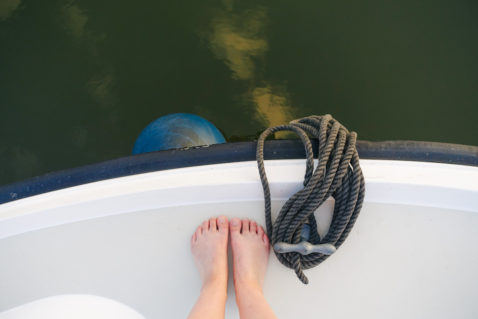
column 337, row 174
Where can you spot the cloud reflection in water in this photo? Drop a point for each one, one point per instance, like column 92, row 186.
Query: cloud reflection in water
column 101, row 85
column 7, row 7
column 75, row 19
column 239, row 40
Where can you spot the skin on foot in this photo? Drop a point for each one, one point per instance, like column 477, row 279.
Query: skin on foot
column 209, row 249
column 250, row 251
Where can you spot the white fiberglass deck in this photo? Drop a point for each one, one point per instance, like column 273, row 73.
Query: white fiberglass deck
column 412, row 252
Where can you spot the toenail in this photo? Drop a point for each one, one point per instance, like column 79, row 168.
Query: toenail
column 221, row 219
column 235, row 222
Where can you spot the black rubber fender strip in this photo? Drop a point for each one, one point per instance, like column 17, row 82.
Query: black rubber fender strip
column 228, row 153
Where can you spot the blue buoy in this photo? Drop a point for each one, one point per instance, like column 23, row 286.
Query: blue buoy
column 176, row 131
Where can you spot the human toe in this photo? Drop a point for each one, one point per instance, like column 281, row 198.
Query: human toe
column 245, row 225
column 235, row 226
column 265, row 239
column 222, row 224
column 253, row 227
column 212, row 224
column 205, row 226
column 260, row 231
column 198, row 231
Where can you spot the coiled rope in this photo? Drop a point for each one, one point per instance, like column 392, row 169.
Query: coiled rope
column 337, row 174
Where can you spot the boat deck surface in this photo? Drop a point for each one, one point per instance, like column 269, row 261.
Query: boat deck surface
column 406, row 258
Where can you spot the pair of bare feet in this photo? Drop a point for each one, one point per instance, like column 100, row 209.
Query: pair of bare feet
column 250, row 251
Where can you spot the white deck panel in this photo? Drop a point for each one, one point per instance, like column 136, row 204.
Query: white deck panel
column 411, row 254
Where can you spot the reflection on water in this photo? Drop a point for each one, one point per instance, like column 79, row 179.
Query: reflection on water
column 239, row 39
column 101, row 84
column 79, row 80
column 75, row 19
column 272, row 108
column 25, row 160
column 7, row 7
column 101, row 88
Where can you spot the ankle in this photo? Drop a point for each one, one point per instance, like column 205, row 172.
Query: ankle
column 215, row 285
column 246, row 289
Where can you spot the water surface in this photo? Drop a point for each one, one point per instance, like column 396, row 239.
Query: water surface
column 79, row 80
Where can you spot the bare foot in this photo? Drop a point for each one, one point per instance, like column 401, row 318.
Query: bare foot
column 250, row 251
column 209, row 248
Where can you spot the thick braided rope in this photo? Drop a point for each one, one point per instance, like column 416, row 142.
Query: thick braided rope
column 337, row 174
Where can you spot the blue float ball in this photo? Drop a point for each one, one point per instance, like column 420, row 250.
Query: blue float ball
column 177, row 131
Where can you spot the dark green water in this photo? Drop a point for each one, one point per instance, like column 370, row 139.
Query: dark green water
column 79, row 80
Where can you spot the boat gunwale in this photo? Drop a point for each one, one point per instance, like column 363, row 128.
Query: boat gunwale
column 228, row 153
